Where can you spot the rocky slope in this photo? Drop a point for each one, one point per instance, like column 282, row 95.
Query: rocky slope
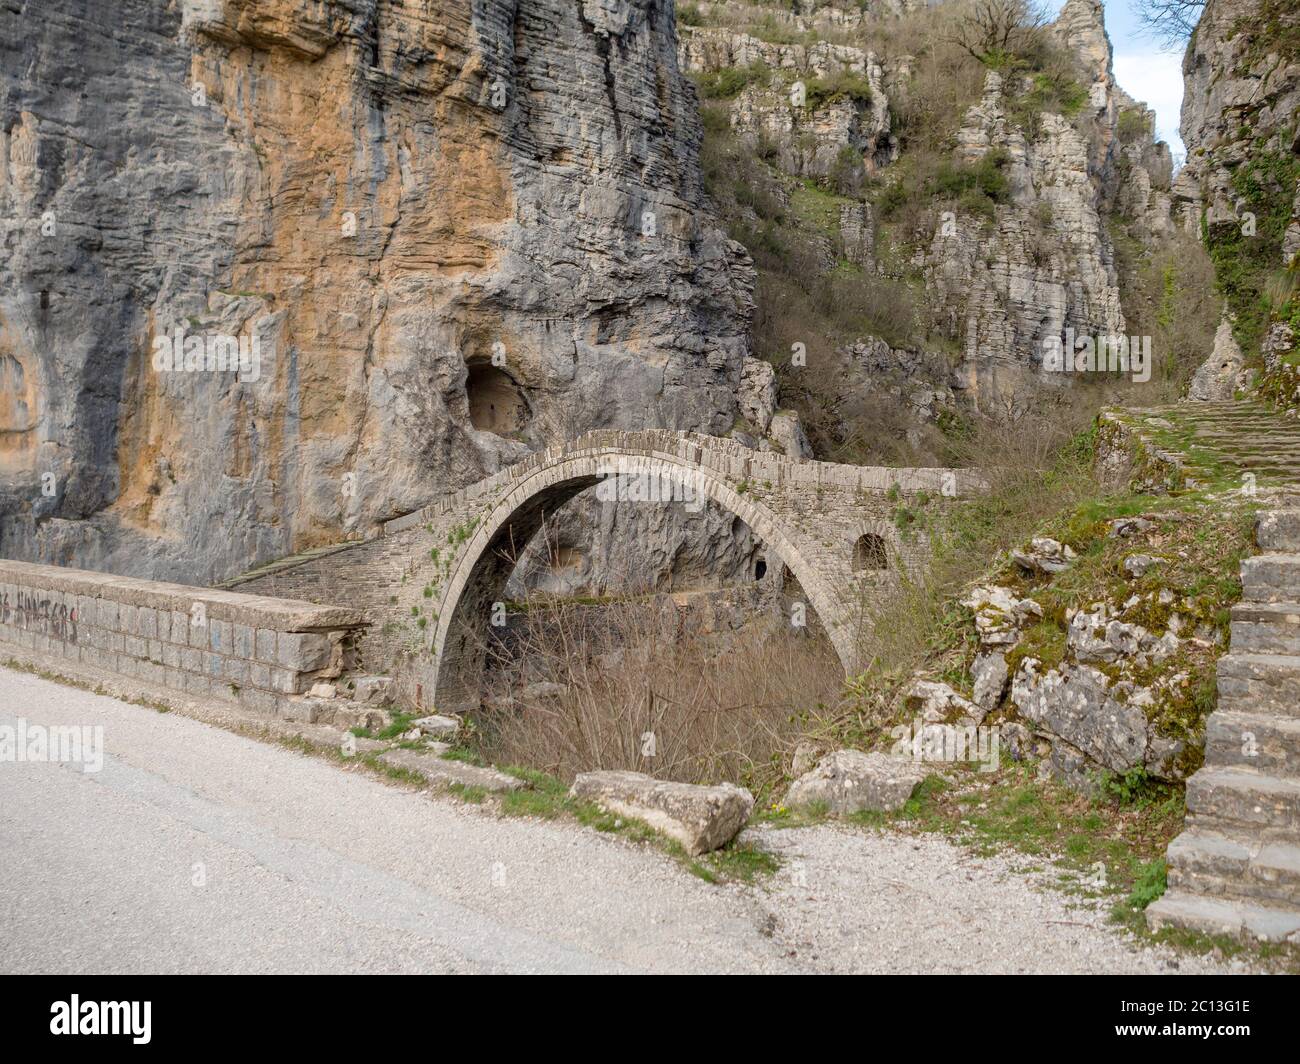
column 455, row 232
column 997, row 227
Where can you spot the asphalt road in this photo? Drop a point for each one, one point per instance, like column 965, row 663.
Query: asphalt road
column 195, row 849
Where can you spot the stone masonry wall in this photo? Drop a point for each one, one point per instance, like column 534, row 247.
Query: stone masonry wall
column 153, row 638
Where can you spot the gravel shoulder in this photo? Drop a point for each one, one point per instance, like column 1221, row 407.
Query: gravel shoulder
column 196, row 849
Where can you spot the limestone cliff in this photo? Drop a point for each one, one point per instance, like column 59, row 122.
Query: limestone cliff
column 1240, row 189
column 989, row 220
column 450, row 233
column 1044, row 263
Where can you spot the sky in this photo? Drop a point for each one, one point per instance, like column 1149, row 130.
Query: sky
column 1145, row 68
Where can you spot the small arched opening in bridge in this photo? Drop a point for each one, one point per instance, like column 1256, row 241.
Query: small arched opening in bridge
column 496, row 401
column 476, row 585
column 870, row 552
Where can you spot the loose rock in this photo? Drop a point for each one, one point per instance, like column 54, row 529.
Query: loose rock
column 849, row 781
column 700, row 818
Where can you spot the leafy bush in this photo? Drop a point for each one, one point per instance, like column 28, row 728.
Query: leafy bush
column 974, row 184
column 822, row 91
column 730, row 82
column 1134, row 124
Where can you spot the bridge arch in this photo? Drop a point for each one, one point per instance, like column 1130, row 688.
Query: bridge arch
column 478, row 577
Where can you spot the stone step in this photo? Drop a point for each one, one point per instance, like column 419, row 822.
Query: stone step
column 1260, row 683
column 1250, row 459
column 1249, row 452
column 1232, row 801
column 445, row 772
column 1266, row 628
column 1250, row 443
column 1278, row 530
column 1261, row 741
column 1223, row 867
column 1213, row 916
column 1273, row 577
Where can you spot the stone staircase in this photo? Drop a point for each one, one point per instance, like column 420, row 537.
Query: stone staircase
column 1235, row 869
column 1217, row 441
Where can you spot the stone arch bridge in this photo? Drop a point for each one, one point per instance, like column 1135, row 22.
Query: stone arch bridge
column 430, row 580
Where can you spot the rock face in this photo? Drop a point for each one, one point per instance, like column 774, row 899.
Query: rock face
column 700, row 818
column 1240, row 188
column 1239, row 91
column 1045, row 264
column 811, row 91
column 1219, row 377
column 811, row 134
column 444, row 236
column 849, row 781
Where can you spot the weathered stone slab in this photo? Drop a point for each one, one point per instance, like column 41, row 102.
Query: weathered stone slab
column 1075, row 702
column 438, row 726
column 438, row 770
column 700, row 818
column 849, row 781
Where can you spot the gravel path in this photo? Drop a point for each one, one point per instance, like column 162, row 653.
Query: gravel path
column 195, row 849
column 847, row 900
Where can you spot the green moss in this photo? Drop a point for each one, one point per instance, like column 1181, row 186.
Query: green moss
column 1244, row 261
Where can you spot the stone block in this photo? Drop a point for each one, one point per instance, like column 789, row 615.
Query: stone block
column 302, row 651
column 700, row 818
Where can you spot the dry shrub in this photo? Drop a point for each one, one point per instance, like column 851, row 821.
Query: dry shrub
column 1169, row 294
column 1035, row 467
column 581, row 688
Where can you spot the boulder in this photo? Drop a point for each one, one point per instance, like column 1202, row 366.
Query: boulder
column 1137, row 566
column 849, row 781
column 700, row 818
column 1045, row 556
column 937, row 701
column 1075, row 703
column 989, row 673
column 1219, row 376
column 999, row 614
column 438, row 726
column 1124, row 527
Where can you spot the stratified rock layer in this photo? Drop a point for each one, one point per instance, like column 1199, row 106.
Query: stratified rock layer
column 456, row 232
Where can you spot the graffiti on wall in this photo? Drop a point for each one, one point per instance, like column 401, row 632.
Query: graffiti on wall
column 36, row 614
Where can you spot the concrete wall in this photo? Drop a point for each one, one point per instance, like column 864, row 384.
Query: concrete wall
column 153, row 638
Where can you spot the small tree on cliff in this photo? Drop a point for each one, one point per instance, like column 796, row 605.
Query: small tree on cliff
column 994, row 30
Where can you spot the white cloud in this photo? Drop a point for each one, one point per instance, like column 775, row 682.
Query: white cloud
column 1157, row 79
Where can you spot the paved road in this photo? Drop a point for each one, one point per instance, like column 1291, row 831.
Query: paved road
column 198, row 850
